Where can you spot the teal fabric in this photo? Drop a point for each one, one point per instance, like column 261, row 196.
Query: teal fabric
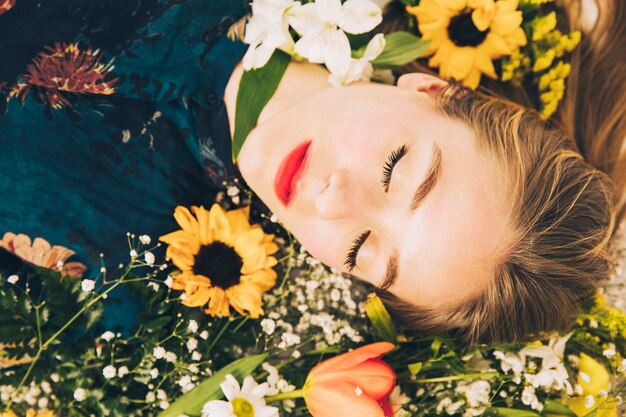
column 81, row 167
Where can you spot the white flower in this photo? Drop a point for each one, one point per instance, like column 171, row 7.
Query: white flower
column 122, row 371
column 80, row 394
column 192, row 344
column 13, row 279
column 196, row 356
column 204, row 335
column 169, row 281
column 150, row 397
column 193, row 326
column 109, row 371
column 323, row 26
column 133, row 253
column 164, row 405
column 589, row 401
column 247, row 400
column 267, row 30
column 609, row 353
column 145, row 239
column 159, row 352
column 268, row 326
column 88, row 285
column 154, row 373
column 107, row 336
column 149, row 257
column 361, row 68
column 170, row 357
column 397, row 400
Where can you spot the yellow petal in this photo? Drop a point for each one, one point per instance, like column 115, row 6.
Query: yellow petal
column 503, row 6
column 182, row 240
column 598, row 376
column 455, row 6
column 197, row 298
column 183, row 260
column 484, row 63
column 442, row 54
column 185, row 220
column 246, row 298
column 473, row 78
column 238, row 220
column 265, row 279
column 495, row 46
column 220, row 225
column 218, row 305
column 460, row 62
column 606, row 407
column 206, row 234
column 504, row 23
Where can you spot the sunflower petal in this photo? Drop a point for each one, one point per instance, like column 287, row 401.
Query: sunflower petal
column 186, row 220
column 265, row 279
column 218, row 304
column 205, row 233
column 219, row 224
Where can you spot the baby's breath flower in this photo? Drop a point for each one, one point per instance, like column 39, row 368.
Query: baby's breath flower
column 145, row 239
column 193, row 326
column 149, row 257
column 107, row 336
column 159, row 352
column 109, row 371
column 13, row 279
column 88, row 285
column 80, row 394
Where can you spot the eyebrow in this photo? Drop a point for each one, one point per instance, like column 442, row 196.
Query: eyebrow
column 428, row 183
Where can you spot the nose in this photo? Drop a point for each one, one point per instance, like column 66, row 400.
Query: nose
column 343, row 198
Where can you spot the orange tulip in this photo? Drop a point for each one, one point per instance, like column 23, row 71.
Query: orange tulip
column 357, row 383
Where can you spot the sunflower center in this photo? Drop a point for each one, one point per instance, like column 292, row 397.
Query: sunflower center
column 220, row 263
column 242, row 408
column 463, row 32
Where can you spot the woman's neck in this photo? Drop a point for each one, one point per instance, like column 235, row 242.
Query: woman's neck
column 301, row 80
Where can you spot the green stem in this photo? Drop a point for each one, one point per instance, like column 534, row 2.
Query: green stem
column 44, row 346
column 219, row 335
column 458, row 377
column 299, row 393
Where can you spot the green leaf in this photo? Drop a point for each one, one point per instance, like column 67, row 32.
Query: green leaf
column 509, row 412
column 380, row 318
column 400, row 49
column 414, row 368
column 552, row 407
column 256, row 88
column 192, row 402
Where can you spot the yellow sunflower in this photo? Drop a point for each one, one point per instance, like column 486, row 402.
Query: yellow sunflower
column 224, row 261
column 467, row 35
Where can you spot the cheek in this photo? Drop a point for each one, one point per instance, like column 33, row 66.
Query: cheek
column 319, row 239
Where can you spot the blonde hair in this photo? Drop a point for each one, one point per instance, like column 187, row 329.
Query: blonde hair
column 564, row 208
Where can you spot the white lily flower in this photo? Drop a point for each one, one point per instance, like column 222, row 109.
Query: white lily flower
column 361, row 68
column 323, row 26
column 266, row 31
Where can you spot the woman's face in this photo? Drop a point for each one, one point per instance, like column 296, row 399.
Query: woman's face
column 374, row 182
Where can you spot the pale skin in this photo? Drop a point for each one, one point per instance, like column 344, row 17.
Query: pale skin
column 444, row 246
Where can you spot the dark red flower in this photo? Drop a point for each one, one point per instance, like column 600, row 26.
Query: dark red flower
column 65, row 68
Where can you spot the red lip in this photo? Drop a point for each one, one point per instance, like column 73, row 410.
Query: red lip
column 290, row 171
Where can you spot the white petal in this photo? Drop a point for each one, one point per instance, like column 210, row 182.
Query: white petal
column 260, row 390
column 337, row 52
column 256, row 31
column 360, row 16
column 218, row 409
column 248, row 385
column 266, row 412
column 257, row 57
column 330, row 11
column 230, row 387
column 375, row 47
column 311, row 47
column 304, row 18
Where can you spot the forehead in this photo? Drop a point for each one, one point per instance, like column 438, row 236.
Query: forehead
column 452, row 243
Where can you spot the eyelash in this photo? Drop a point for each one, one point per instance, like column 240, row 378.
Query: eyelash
column 391, row 162
column 350, row 261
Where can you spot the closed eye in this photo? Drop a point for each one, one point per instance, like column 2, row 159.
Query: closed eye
column 393, row 158
column 351, row 256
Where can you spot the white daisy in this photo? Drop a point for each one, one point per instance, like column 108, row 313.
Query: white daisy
column 245, row 401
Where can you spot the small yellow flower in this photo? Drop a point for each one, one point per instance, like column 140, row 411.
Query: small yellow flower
column 467, row 35
column 224, row 261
